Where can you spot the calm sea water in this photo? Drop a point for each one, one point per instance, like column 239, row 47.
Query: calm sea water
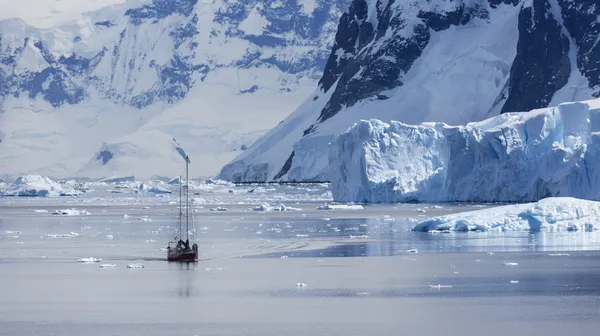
column 306, row 272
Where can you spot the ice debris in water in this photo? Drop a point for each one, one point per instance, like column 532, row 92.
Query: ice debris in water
column 558, row 254
column 136, row 266
column 40, row 210
column 145, row 219
column 218, row 209
column 300, row 285
column 64, row 235
column 440, row 286
column 108, row 266
column 89, row 260
column 71, row 212
column 511, row 263
column 514, row 281
column 268, row 207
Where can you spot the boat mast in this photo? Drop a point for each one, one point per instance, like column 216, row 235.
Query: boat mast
column 180, row 212
column 187, row 194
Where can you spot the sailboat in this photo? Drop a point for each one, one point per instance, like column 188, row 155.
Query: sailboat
column 179, row 249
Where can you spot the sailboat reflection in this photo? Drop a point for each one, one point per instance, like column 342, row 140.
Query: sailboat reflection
column 186, row 274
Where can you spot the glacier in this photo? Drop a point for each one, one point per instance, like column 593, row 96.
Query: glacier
column 432, row 61
column 554, row 214
column 98, row 92
column 514, row 157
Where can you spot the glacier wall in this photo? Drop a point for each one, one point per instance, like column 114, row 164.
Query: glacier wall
column 516, row 157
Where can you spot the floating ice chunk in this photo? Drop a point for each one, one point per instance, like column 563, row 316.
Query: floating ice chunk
column 71, row 212
column 549, row 215
column 218, row 209
column 63, row 235
column 89, row 260
column 145, row 219
column 125, row 216
column 40, row 210
column 110, row 237
column 107, row 266
column 268, row 207
column 150, row 241
column 510, row 263
column 136, row 266
column 159, row 190
column 300, row 285
column 514, row 281
column 33, row 186
column 116, row 179
column 11, row 232
column 340, row 207
column 558, row 254
column 440, row 286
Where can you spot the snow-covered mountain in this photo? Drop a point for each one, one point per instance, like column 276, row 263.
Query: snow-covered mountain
column 454, row 61
column 121, row 90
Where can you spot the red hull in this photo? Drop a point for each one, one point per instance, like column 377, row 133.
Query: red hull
column 183, row 256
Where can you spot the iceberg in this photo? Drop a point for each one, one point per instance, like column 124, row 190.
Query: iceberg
column 514, row 157
column 34, row 186
column 552, row 214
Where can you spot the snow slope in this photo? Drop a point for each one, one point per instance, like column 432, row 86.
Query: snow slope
column 51, row 13
column 548, row 215
column 106, row 94
column 518, row 157
column 420, row 61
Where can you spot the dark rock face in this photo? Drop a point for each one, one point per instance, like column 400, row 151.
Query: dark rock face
column 581, row 20
column 160, row 9
column 365, row 67
column 542, row 65
column 104, row 156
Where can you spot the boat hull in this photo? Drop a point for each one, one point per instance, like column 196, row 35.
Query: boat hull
column 183, row 256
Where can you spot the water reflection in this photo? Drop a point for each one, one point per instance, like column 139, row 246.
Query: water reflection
column 376, row 242
column 186, row 277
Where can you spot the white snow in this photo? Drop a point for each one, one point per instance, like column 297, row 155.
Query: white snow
column 51, row 13
column 549, row 215
column 308, row 6
column 519, row 157
column 213, row 122
column 255, row 23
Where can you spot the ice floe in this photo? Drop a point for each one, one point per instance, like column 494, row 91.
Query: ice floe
column 549, row 215
column 70, row 212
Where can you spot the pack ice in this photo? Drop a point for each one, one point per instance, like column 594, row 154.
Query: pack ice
column 519, row 157
column 549, row 215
